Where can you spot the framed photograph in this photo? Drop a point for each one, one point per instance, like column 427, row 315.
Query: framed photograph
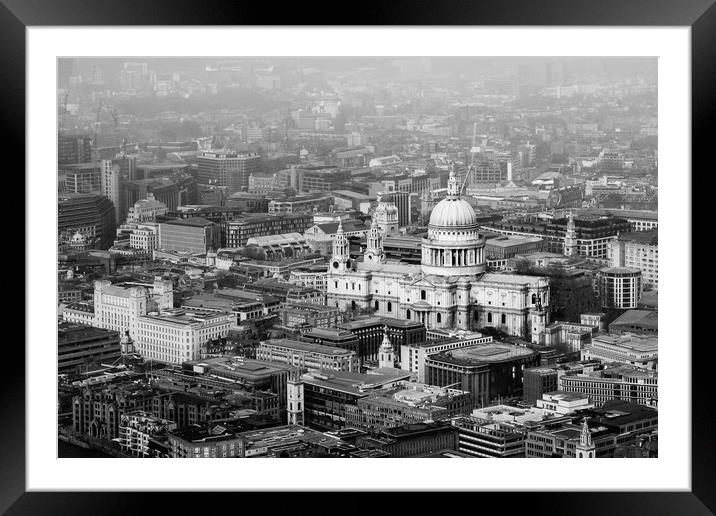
column 430, row 233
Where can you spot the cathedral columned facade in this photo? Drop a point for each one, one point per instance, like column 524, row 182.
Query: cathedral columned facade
column 449, row 289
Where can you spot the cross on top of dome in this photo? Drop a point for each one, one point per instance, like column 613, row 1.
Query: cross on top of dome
column 452, row 188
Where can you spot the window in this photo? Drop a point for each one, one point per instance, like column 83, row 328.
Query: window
column 423, row 294
column 376, row 305
column 489, row 317
column 504, row 318
column 390, row 306
column 439, row 317
column 407, row 314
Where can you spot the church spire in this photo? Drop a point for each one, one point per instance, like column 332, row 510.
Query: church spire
column 385, row 353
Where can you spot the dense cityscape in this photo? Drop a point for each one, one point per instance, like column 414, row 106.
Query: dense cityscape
column 357, row 257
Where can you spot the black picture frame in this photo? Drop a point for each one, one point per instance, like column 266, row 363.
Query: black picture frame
column 700, row 15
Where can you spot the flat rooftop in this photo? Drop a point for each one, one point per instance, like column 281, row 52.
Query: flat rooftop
column 643, row 318
column 185, row 316
column 239, row 365
column 510, row 240
column 483, row 354
column 197, row 222
column 280, row 435
column 307, row 347
column 640, row 343
column 355, row 383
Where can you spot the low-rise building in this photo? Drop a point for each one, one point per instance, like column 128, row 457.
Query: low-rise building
column 642, row 322
column 175, row 336
column 621, row 383
column 488, row 371
column 141, row 434
column 78, row 345
column 212, row 440
column 413, row 439
column 318, row 316
column 481, row 438
column 328, row 393
column 408, row 403
column 563, row 403
column 307, row 355
column 412, row 356
column 639, row 351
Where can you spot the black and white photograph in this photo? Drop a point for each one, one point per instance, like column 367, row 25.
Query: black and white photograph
column 358, row 257
column 361, row 242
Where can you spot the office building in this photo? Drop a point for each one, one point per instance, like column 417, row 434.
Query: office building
column 328, row 393
column 145, row 237
column 638, row 351
column 591, row 233
column 641, row 322
column 307, row 203
column 412, row 356
column 637, row 250
column 146, row 210
column 78, row 345
column 478, row 437
column 413, row 439
column 195, row 235
column 209, row 440
column 408, row 403
column 488, row 371
column 228, row 169
column 563, row 403
column 238, row 231
column 74, row 148
column 110, row 186
column 620, row 383
column 371, row 330
column 620, row 287
column 93, row 216
column 307, row 355
column 175, row 336
column 82, row 178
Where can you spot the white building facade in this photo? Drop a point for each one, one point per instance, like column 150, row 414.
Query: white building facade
column 449, row 289
column 176, row 336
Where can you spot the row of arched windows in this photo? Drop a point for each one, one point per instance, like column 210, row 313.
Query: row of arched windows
column 503, row 318
column 389, row 306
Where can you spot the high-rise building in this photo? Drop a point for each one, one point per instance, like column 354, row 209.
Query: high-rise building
column 74, row 149
column 638, row 250
column 229, row 169
column 196, row 235
column 93, row 216
column 109, row 186
column 620, row 287
column 82, row 178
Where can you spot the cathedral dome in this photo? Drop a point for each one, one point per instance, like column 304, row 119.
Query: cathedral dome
column 453, row 212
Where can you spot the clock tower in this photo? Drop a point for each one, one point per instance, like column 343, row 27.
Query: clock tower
column 341, row 258
column 374, row 244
